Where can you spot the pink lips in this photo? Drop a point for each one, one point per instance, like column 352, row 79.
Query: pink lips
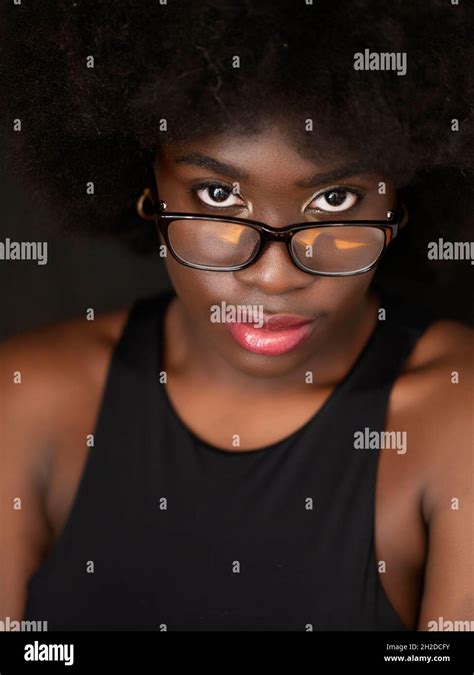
column 280, row 333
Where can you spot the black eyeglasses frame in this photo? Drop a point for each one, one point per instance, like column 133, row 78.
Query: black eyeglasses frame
column 163, row 220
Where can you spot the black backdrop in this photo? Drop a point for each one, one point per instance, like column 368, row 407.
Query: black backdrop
column 80, row 272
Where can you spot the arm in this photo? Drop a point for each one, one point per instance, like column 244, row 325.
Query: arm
column 23, row 527
column 448, row 503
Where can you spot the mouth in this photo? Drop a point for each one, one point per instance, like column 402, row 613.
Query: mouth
column 279, row 334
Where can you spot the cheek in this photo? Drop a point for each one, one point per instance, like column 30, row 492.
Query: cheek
column 339, row 295
column 198, row 289
column 356, row 286
column 185, row 280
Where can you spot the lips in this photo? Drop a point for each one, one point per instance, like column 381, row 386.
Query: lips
column 280, row 334
column 283, row 321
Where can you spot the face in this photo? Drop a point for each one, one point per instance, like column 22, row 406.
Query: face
column 264, row 178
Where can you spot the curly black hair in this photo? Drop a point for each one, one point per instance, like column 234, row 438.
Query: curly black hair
column 166, row 70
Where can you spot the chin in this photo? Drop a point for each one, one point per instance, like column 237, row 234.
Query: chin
column 263, row 366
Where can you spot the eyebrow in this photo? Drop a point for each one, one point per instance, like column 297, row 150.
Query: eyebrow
column 207, row 162
column 335, row 175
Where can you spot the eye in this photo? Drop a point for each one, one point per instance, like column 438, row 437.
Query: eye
column 218, row 195
column 335, row 199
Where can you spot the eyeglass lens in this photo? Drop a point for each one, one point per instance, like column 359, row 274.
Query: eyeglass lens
column 339, row 248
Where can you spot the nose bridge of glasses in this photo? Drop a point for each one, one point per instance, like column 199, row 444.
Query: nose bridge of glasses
column 280, row 236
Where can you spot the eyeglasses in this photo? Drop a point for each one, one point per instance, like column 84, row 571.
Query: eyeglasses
column 227, row 244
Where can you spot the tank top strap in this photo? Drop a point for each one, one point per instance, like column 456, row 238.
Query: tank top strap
column 127, row 399
column 400, row 325
column 141, row 337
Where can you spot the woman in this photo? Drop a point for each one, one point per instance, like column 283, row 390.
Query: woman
column 277, row 443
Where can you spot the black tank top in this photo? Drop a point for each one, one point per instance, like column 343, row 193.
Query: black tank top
column 167, row 532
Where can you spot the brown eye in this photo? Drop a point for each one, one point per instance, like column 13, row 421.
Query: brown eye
column 218, row 195
column 335, row 199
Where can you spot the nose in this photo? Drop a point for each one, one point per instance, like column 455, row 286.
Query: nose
column 274, row 273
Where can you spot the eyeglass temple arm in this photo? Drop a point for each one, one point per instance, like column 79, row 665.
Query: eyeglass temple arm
column 395, row 217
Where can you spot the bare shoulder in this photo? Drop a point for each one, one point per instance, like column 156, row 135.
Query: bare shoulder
column 444, row 342
column 41, row 366
column 48, row 374
column 440, row 369
column 57, row 342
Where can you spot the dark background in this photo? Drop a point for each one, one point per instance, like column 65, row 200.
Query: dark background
column 80, row 272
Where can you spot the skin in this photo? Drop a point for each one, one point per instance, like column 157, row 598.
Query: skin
column 64, row 366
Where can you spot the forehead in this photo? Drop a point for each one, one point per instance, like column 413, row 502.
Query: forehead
column 270, row 156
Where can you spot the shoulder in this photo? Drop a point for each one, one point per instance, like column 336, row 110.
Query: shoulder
column 47, row 354
column 441, row 366
column 445, row 342
column 44, row 371
column 439, row 374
